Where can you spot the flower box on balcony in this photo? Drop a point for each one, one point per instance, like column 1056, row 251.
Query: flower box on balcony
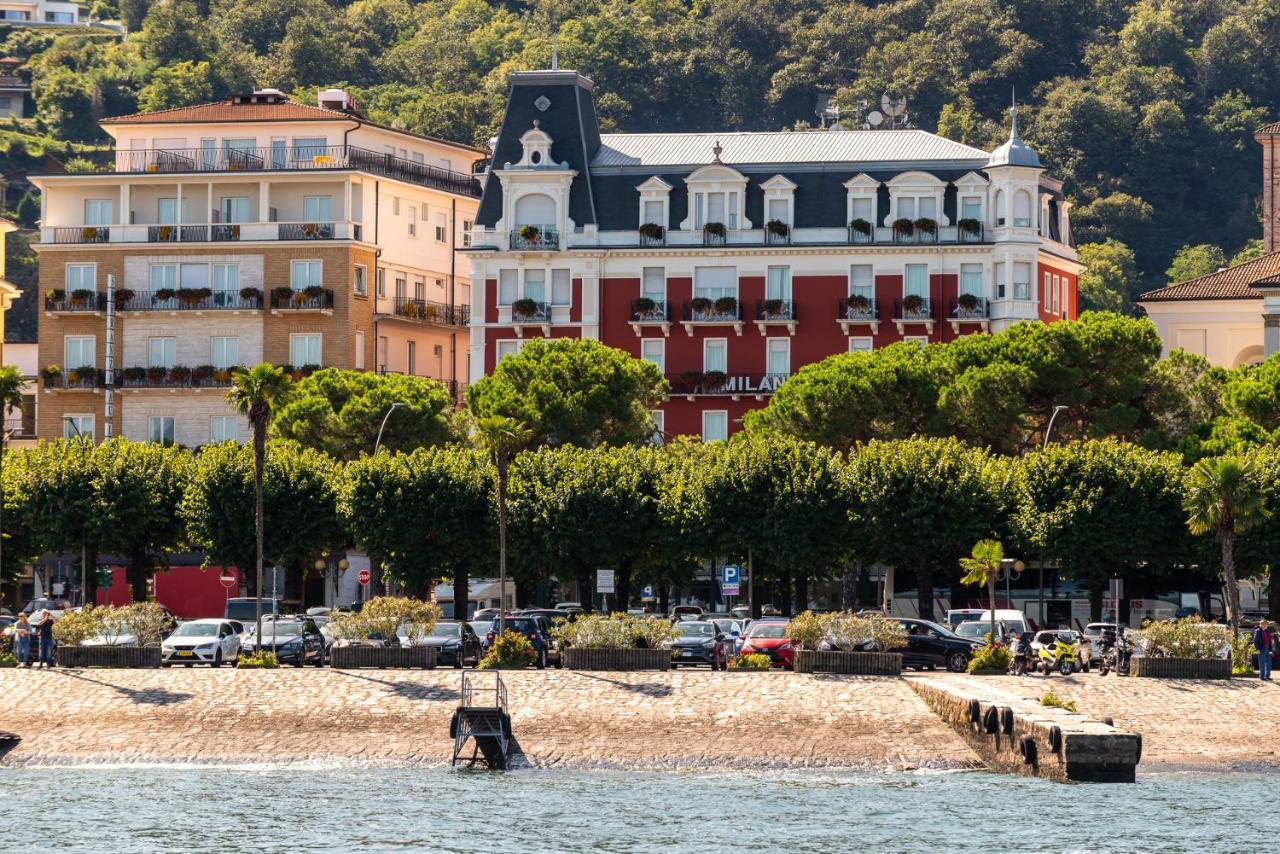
column 969, row 227
column 202, row 373
column 859, row 303
column 282, row 293
column 652, row 231
column 250, row 294
column 82, row 296
column 51, row 373
column 179, row 373
column 714, row 229
column 123, row 295
column 968, row 302
column 690, row 380
column 133, row 374
column 645, row 306
column 926, row 226
column 912, row 304
column 56, row 295
column 726, row 305
column 773, row 307
column 155, row 376
column 903, row 227
column 714, row 380
column 529, row 233
column 700, row 304
column 778, row 228
column 860, row 226
column 524, row 308
column 163, row 294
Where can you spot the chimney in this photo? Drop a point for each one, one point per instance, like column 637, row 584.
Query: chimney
column 1269, row 138
column 334, row 99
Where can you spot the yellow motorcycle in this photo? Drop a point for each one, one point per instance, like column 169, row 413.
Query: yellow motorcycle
column 1059, row 655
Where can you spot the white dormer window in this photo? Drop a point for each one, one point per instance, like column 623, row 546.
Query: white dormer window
column 655, row 207
column 537, row 148
column 779, row 201
column 971, row 195
column 716, row 195
column 717, row 206
column 860, row 206
column 915, row 196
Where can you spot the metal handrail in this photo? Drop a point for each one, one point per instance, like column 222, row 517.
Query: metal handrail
column 429, row 311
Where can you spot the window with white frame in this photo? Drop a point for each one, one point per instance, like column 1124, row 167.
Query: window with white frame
column 654, row 211
column 235, row 208
column 916, row 339
column 1057, row 294
column 193, row 275
column 1022, row 209
column 224, row 351
column 467, row 225
column 561, row 287
column 971, row 207
column 411, row 357
column 79, row 351
column 916, row 280
column 777, row 283
column 1001, row 282
column 1002, row 203
column 1064, row 286
column 160, row 429
column 97, row 212
column 653, row 284
column 778, row 209
column 971, row 279
column 507, row 347
column 167, row 210
column 442, row 228
column 381, row 355
column 400, row 283
column 862, row 280
column 82, row 277
column 308, row 148
column 419, row 288
column 860, row 344
column 164, row 276
column 718, row 206
column 305, row 274
column 317, row 209
column 917, row 207
column 304, row 348
column 715, row 355
column 535, row 285
column 77, row 427
column 862, row 208
column 1045, row 299
column 508, row 286
column 360, row 280
column 382, row 283
column 222, row 428
column 226, row 278
column 654, row 350
column 715, row 282
column 778, row 356
column 1021, row 280
column 162, row 352
column 715, row 425
column 359, row 351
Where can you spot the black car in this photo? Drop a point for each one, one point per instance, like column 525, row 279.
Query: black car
column 699, row 642
column 456, row 644
column 930, row 645
column 294, row 640
column 537, row 630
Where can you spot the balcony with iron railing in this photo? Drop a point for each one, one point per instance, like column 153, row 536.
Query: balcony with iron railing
column 204, row 232
column 777, row 233
column 534, row 237
column 652, row 235
column 426, row 311
column 175, row 377
column 311, row 298
column 58, row 301
column 188, row 300
column 858, row 309
column 913, row 309
column 704, row 311
column 276, row 159
column 84, row 378
column 775, row 312
column 969, row 308
column 530, row 311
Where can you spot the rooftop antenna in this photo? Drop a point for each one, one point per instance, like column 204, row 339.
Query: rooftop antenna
column 1013, row 113
column 893, row 106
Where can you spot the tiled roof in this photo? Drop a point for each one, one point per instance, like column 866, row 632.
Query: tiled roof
column 694, row 149
column 228, row 111
column 1230, row 283
column 1274, row 127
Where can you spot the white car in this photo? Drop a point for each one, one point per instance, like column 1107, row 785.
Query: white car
column 116, row 634
column 211, row 642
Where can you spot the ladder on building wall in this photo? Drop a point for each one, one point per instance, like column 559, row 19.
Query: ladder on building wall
column 481, row 722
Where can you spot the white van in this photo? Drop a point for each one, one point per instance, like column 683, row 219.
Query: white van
column 956, row 616
column 1014, row 621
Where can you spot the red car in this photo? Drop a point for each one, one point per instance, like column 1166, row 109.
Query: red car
column 769, row 637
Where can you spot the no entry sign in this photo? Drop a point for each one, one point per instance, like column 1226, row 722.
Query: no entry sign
column 227, row 579
column 363, row 576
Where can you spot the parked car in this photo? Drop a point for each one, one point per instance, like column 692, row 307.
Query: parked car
column 245, row 608
column 571, row 607
column 294, row 640
column 742, row 612
column 956, row 616
column 213, row 642
column 482, row 628
column 456, row 643
column 930, row 645
column 1084, row 648
column 535, row 629
column 769, row 637
column 700, row 642
column 1093, row 634
column 732, row 629
column 979, row 631
column 55, row 607
column 686, row 612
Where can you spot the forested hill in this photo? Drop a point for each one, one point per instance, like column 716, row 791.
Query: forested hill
column 1146, row 109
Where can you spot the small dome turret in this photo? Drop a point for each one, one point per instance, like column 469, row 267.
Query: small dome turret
column 1014, row 152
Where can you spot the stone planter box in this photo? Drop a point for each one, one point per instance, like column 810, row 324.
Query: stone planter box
column 849, row 663
column 576, row 658
column 106, row 656
column 1181, row 668
column 385, row 658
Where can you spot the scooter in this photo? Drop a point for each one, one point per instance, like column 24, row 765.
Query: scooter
column 1059, row 655
column 1021, row 662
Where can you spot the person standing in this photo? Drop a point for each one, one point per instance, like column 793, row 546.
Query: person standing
column 44, row 633
column 1263, row 640
column 22, row 640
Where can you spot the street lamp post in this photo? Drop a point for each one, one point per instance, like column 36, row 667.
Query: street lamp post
column 339, row 569
column 385, row 418
column 1048, row 430
column 1009, row 568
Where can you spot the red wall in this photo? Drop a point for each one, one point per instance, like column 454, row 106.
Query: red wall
column 188, row 591
column 1069, row 311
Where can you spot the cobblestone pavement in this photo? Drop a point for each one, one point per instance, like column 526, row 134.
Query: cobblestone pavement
column 687, row 719
column 1185, row 723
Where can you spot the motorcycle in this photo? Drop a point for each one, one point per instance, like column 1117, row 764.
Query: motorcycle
column 1021, row 662
column 1059, row 655
column 1116, row 655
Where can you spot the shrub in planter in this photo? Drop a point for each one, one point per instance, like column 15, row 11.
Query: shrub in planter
column 751, row 661
column 51, row 372
column 859, row 302
column 123, row 295
column 860, row 226
column 84, row 374
column 872, row 632
column 188, row 296
column 726, row 305
column 510, row 651
column 157, row 374
column 524, row 308
column 691, row 379
column 529, row 233
column 201, row 373
column 163, row 294
column 652, row 230
column 991, row 660
column 913, row 303
column 313, row 291
column 300, row 297
column 1189, row 637
column 715, row 229
column 924, row 225
column 282, row 293
column 645, row 305
column 73, row 628
column 384, row 616
column 56, row 294
column 969, row 226
column 773, row 307
column 968, row 302
column 903, row 226
column 222, row 375
column 778, row 227
column 807, row 629
column 260, row 660
column 82, row 296
column 614, row 631
column 133, row 374
column 179, row 373
column 250, row 293
column 700, row 304
column 714, row 380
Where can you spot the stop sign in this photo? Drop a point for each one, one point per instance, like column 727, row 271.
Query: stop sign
column 363, row 576
column 227, row 579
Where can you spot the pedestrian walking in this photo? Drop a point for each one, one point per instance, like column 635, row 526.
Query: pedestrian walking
column 44, row 633
column 1263, row 640
column 22, row 640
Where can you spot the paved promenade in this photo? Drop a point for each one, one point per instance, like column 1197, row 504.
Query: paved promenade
column 641, row 720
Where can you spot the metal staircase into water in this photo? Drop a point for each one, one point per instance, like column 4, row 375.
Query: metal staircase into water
column 482, row 722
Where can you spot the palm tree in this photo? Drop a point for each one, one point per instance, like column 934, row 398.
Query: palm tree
column 983, row 566
column 504, row 438
column 255, row 393
column 11, row 385
column 1224, row 496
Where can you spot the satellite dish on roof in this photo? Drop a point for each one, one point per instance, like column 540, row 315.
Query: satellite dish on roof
column 893, row 104
column 875, row 118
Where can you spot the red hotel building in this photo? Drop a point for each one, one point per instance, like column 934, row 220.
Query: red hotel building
column 732, row 259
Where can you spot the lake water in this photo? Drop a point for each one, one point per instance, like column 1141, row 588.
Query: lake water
column 245, row 810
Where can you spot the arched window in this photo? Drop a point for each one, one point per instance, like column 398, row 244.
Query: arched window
column 535, row 209
column 1001, row 205
column 1022, row 209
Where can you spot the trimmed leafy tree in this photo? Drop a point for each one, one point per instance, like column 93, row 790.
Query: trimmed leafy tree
column 140, row 487
column 300, row 506
column 570, row 391
column 63, row 506
column 919, row 504
column 22, row 536
column 339, row 412
column 1100, row 509
column 779, row 502
column 426, row 515
column 1225, row 496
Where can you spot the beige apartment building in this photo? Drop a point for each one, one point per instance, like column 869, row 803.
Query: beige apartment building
column 254, row 229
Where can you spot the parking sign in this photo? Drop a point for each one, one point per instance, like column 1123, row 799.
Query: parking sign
column 730, row 580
